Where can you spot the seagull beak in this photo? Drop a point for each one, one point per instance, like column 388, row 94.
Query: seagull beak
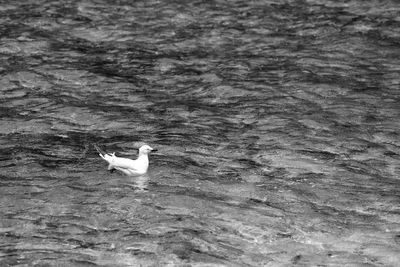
column 154, row 150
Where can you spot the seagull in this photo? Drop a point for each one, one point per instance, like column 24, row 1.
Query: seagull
column 130, row 167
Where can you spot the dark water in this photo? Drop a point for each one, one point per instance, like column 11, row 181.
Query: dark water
column 277, row 124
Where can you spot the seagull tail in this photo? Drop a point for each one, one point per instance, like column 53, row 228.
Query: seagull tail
column 106, row 156
column 102, row 152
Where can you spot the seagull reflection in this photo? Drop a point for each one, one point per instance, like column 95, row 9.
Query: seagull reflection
column 139, row 183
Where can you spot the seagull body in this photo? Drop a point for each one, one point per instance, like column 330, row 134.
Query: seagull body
column 128, row 166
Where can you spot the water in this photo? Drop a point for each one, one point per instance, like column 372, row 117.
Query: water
column 277, row 126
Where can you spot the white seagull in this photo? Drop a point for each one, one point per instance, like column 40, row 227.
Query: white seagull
column 130, row 167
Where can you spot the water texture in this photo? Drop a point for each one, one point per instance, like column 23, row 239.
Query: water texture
column 277, row 124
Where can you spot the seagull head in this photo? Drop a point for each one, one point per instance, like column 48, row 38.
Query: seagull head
column 146, row 149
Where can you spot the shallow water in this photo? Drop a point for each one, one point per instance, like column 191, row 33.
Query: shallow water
column 277, row 126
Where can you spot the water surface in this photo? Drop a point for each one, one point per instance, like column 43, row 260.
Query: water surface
column 277, row 125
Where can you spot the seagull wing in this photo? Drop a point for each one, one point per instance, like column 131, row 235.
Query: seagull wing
column 123, row 163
